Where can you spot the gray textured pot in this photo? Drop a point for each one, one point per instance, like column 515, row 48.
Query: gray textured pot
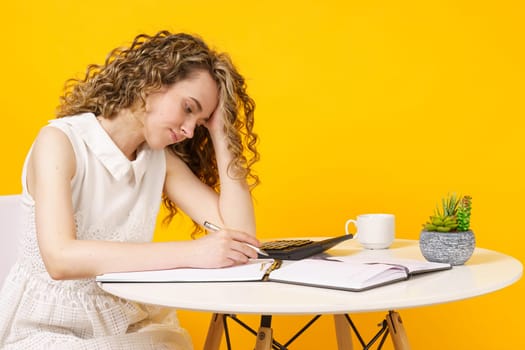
column 449, row 247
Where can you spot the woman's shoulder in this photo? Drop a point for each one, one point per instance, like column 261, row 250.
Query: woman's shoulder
column 60, row 139
column 50, row 136
column 53, row 148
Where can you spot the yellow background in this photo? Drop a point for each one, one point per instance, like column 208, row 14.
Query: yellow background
column 363, row 106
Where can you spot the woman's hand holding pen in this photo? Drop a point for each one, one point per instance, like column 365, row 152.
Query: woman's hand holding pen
column 225, row 248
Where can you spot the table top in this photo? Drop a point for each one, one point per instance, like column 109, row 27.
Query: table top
column 485, row 272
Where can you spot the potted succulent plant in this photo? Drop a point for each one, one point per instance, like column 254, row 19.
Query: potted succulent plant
column 446, row 236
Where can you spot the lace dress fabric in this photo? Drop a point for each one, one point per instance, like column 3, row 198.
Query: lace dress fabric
column 116, row 200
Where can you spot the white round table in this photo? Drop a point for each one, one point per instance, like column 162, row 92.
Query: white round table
column 485, row 272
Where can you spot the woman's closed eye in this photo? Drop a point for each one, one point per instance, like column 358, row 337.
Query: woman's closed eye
column 203, row 122
column 192, row 105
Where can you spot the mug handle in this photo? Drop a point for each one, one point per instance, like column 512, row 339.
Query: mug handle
column 348, row 222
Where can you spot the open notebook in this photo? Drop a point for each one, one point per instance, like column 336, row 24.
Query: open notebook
column 341, row 274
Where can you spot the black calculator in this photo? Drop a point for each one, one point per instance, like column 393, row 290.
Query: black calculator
column 297, row 249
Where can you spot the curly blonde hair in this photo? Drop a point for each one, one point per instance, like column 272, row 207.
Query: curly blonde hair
column 150, row 63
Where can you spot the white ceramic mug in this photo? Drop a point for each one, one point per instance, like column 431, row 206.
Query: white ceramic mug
column 374, row 231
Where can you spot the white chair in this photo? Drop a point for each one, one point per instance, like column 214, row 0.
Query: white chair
column 10, row 231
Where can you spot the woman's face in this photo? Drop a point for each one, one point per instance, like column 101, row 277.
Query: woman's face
column 173, row 113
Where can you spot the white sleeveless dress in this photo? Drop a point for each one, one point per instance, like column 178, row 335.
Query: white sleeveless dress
column 116, row 200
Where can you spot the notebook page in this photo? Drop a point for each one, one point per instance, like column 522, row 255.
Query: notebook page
column 254, row 270
column 412, row 265
column 332, row 274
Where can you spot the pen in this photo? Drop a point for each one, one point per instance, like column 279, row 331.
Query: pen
column 213, row 227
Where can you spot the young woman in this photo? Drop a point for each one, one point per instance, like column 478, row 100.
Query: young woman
column 164, row 120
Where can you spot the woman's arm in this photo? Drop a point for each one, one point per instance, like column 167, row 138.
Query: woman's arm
column 235, row 200
column 50, row 170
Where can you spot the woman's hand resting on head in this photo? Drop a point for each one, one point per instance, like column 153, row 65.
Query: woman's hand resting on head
column 215, row 123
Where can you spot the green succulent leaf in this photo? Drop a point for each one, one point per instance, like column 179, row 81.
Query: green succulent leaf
column 430, row 227
column 437, row 221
